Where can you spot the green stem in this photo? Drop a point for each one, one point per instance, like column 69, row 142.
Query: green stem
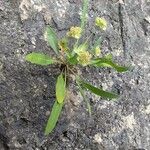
column 83, row 95
column 84, row 13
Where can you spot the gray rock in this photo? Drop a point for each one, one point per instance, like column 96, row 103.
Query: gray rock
column 27, row 91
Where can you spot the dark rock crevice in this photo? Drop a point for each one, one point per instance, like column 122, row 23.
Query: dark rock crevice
column 122, row 27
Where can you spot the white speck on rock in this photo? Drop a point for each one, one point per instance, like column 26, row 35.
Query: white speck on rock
column 132, row 82
column 98, row 138
column 104, row 85
column 24, row 6
column 129, row 121
column 27, row 5
column 104, row 105
column 117, row 52
column 147, row 110
column 17, row 145
column 33, row 41
column 147, row 18
column 61, row 8
column 47, row 113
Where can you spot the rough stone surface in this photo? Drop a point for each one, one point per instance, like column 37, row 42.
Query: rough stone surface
column 27, row 91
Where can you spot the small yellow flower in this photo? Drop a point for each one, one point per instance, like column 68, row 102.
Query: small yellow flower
column 97, row 51
column 84, row 58
column 75, row 32
column 101, row 22
column 63, row 45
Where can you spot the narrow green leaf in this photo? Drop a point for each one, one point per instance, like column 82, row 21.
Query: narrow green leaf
column 56, row 110
column 98, row 91
column 60, row 89
column 104, row 62
column 39, row 59
column 51, row 38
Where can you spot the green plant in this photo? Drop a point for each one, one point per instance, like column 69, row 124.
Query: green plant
column 70, row 59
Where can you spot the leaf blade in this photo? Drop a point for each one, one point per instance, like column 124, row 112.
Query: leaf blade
column 104, row 62
column 51, row 38
column 60, row 89
column 99, row 91
column 39, row 59
column 55, row 113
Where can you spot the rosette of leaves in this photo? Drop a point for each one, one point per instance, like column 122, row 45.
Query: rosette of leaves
column 70, row 59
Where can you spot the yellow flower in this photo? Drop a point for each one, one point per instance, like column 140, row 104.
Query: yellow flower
column 75, row 32
column 84, row 58
column 101, row 22
column 97, row 51
column 63, row 45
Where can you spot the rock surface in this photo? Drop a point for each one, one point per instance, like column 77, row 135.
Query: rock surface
column 27, row 91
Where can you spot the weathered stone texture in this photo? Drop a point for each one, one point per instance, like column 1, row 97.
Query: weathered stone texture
column 27, row 91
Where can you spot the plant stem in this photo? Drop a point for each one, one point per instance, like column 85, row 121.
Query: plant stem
column 83, row 95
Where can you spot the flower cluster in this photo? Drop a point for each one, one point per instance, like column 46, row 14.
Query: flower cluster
column 75, row 32
column 101, row 23
column 97, row 51
column 84, row 58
